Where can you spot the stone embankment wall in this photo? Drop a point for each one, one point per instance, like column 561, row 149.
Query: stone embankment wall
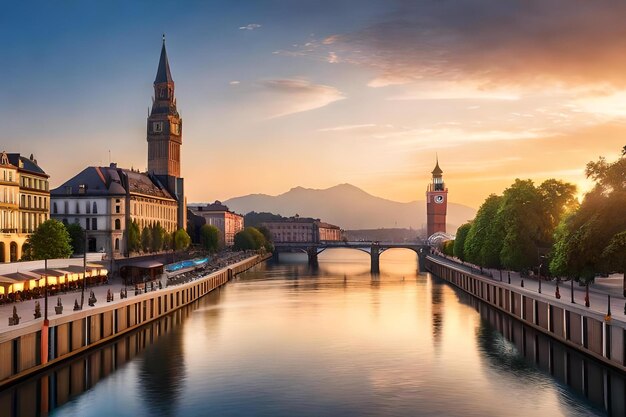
column 571, row 324
column 20, row 349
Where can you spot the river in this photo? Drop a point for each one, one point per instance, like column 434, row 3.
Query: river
column 284, row 339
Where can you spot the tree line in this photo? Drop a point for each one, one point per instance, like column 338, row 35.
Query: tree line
column 528, row 226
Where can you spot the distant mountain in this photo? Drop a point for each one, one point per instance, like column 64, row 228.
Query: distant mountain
column 349, row 207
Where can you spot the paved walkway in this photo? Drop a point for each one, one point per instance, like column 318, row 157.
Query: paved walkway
column 26, row 309
column 598, row 294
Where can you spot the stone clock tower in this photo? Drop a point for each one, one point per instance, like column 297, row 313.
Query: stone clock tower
column 436, row 203
column 165, row 136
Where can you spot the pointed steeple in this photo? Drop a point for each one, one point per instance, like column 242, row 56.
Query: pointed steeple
column 437, row 171
column 163, row 73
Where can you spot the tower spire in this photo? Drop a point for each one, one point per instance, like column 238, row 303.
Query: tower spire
column 163, row 72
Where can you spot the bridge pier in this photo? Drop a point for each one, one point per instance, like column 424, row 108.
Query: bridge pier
column 312, row 254
column 375, row 258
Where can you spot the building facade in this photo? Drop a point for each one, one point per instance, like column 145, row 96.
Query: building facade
column 436, row 203
column 302, row 230
column 105, row 200
column 228, row 222
column 24, row 202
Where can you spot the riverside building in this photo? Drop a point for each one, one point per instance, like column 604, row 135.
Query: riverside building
column 24, row 202
column 105, row 200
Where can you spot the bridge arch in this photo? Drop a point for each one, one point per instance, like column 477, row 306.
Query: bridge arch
column 436, row 239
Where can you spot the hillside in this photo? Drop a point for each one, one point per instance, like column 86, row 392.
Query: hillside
column 348, row 207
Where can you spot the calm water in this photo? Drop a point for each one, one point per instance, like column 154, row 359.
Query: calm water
column 285, row 340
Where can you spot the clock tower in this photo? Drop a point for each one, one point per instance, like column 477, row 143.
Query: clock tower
column 165, row 136
column 436, row 203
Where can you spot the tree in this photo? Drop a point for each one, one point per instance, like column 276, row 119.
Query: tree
column 158, row 236
column 448, row 247
column 484, row 238
column 590, row 239
column 244, row 241
column 134, row 237
column 459, row 241
column 49, row 241
column 521, row 213
column 77, row 237
column 146, row 239
column 210, row 237
column 181, row 239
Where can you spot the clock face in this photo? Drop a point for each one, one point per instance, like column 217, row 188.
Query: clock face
column 438, row 199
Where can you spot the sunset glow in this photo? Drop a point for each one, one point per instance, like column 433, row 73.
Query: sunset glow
column 324, row 92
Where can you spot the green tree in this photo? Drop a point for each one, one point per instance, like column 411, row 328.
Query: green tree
column 590, row 240
column 484, row 238
column 49, row 241
column 146, row 239
column 210, row 237
column 134, row 237
column 459, row 241
column 522, row 215
column 244, row 241
column 158, row 236
column 448, row 247
column 181, row 239
column 77, row 237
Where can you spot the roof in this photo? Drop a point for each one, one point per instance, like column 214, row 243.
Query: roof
column 216, row 206
column 27, row 164
column 111, row 180
column 163, row 72
column 437, row 170
column 145, row 264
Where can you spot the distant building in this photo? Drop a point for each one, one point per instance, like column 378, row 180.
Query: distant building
column 217, row 214
column 24, row 202
column 302, row 230
column 436, row 203
column 105, row 200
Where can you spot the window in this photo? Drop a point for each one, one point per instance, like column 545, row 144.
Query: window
column 77, row 208
column 54, row 208
column 87, row 207
column 118, row 224
column 117, row 244
column 87, row 223
column 95, row 208
column 94, row 224
column 117, row 209
column 66, row 207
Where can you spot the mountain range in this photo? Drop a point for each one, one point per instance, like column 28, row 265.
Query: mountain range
column 349, row 207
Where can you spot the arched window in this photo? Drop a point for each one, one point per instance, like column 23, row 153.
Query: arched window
column 95, row 208
column 117, row 244
column 118, row 224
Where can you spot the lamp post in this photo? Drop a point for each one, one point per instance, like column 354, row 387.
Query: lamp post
column 82, row 293
column 45, row 292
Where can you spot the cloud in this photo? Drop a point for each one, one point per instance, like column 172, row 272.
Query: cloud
column 346, row 127
column 532, row 43
column 332, row 58
column 288, row 96
column 234, row 82
column 251, row 26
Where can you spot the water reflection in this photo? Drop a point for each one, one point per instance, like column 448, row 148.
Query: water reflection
column 285, row 339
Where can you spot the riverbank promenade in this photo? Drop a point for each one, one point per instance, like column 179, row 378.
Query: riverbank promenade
column 26, row 309
column 598, row 291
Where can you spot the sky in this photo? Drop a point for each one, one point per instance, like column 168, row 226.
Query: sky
column 279, row 94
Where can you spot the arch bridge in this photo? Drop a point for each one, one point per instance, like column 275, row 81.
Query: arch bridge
column 374, row 249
